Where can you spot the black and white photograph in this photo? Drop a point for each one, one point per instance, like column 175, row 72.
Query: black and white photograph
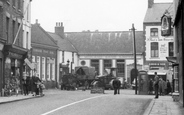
column 91, row 57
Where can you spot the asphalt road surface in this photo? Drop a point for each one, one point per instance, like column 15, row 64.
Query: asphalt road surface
column 59, row 102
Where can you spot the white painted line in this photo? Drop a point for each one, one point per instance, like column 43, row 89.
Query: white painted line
column 71, row 104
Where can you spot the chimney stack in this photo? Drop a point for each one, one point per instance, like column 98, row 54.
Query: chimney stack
column 59, row 29
column 37, row 22
column 150, row 3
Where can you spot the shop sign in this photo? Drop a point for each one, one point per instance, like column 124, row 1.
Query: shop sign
column 166, row 25
column 14, row 55
column 31, row 65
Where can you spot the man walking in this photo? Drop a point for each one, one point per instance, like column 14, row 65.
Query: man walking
column 156, row 85
column 116, row 85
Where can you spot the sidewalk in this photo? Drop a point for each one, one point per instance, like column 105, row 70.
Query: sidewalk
column 14, row 98
column 164, row 105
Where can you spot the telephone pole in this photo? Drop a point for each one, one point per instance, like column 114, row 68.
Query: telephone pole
column 135, row 61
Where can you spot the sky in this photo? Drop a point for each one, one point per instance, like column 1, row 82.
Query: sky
column 82, row 15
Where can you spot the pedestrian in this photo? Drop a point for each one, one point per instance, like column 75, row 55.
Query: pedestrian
column 168, row 90
column 116, row 85
column 156, row 85
column 150, row 86
column 25, row 85
column 161, row 86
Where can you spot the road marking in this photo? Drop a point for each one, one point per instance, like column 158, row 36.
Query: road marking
column 71, row 104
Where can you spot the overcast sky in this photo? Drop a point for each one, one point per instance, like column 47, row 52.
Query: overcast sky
column 79, row 15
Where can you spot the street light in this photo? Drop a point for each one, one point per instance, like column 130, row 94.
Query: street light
column 135, row 61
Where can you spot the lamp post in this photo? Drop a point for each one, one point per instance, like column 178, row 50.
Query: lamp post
column 135, row 61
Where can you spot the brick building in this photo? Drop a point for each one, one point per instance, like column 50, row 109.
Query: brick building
column 12, row 53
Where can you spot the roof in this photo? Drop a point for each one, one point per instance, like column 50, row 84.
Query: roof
column 155, row 13
column 62, row 43
column 112, row 42
column 40, row 36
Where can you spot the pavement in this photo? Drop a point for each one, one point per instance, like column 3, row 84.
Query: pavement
column 164, row 105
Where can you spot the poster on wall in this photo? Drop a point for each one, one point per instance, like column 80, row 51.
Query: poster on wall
column 163, row 49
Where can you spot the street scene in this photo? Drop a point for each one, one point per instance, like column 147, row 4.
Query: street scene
column 87, row 57
column 57, row 102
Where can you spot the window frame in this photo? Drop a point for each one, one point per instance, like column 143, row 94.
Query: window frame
column 154, row 50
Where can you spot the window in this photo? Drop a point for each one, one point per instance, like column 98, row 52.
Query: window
column 107, row 64
column 154, row 49
column 27, row 39
column 7, row 28
column 154, row 32
column 18, row 37
column 53, row 69
column 95, row 63
column 14, row 3
column 13, row 30
column 48, row 68
column 43, row 68
column 63, row 56
column 33, row 59
column 121, row 68
column 171, row 49
column 72, row 57
column 19, row 4
column 38, row 66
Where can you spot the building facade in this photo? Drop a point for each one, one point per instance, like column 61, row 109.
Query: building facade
column 44, row 55
column 157, row 47
column 67, row 55
column 11, row 41
column 27, row 24
column 108, row 49
column 179, row 48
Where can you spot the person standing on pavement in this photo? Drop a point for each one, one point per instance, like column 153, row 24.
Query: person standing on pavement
column 156, row 85
column 150, row 86
column 168, row 90
column 25, row 85
column 116, row 85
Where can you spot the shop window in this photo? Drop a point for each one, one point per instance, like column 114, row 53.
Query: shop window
column 154, row 49
column 171, row 49
column 154, row 32
column 95, row 63
column 48, row 68
column 43, row 68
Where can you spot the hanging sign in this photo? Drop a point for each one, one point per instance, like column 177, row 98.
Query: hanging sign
column 166, row 25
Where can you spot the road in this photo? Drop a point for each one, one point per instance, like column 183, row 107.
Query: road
column 59, row 102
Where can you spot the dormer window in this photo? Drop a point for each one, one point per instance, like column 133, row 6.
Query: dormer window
column 154, row 32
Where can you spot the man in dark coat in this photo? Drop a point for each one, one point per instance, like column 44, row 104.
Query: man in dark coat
column 116, row 85
column 156, row 85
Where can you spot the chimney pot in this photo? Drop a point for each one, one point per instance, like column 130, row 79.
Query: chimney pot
column 36, row 21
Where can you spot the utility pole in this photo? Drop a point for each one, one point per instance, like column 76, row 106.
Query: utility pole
column 135, row 61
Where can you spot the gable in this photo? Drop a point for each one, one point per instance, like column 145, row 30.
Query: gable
column 39, row 36
column 155, row 13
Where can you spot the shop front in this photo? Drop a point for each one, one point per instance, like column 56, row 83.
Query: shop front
column 13, row 68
